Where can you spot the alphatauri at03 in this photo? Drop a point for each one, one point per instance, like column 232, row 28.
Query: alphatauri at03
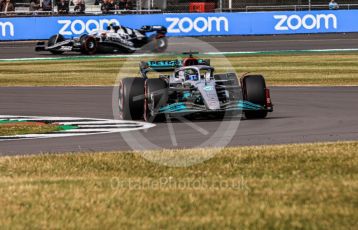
column 192, row 88
column 116, row 39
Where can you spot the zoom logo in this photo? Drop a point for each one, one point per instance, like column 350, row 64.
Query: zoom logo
column 309, row 22
column 6, row 27
column 78, row 27
column 199, row 24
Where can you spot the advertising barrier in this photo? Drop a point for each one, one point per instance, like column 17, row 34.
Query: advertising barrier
column 196, row 24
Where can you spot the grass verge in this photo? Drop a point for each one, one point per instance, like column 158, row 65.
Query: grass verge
column 308, row 186
column 22, row 128
column 287, row 69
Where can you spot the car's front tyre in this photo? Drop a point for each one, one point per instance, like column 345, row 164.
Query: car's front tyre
column 254, row 90
column 131, row 98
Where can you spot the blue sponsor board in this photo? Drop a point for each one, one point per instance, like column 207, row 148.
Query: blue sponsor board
column 203, row 24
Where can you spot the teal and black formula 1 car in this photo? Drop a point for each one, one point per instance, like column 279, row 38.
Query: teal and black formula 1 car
column 193, row 87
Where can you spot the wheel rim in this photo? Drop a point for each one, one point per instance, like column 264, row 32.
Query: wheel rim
column 91, row 45
column 146, row 106
column 120, row 100
column 161, row 43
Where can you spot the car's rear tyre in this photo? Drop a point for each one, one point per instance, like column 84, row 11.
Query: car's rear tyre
column 53, row 40
column 129, row 51
column 156, row 96
column 159, row 45
column 254, row 90
column 131, row 98
column 88, row 44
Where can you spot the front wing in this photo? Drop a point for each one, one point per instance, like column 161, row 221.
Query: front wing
column 67, row 45
column 188, row 108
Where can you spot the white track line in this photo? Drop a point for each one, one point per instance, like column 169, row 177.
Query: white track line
column 91, row 128
column 171, row 54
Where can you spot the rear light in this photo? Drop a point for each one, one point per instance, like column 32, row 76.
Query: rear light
column 268, row 99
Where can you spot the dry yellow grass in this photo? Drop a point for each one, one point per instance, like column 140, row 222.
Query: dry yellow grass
column 287, row 69
column 21, row 128
column 308, row 186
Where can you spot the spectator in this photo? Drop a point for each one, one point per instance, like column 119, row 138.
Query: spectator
column 34, row 5
column 333, row 5
column 47, row 5
column 7, row 6
column 80, row 6
column 112, row 4
column 124, row 5
column 106, row 7
column 121, row 5
column 63, row 7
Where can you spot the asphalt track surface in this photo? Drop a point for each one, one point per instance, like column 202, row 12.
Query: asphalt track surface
column 302, row 114
column 223, row 44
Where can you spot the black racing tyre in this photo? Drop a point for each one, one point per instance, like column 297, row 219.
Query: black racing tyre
column 88, row 44
column 83, row 36
column 53, row 40
column 159, row 45
column 254, row 87
column 156, row 96
column 130, row 51
column 131, row 98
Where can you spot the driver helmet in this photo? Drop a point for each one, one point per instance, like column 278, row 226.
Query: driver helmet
column 192, row 77
column 113, row 27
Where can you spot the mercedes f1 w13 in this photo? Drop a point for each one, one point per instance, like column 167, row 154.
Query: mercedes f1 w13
column 192, row 88
column 116, row 39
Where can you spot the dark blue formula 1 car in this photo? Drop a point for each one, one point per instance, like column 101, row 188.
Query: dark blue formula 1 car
column 116, row 39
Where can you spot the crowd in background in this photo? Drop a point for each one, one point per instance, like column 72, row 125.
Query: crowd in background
column 63, row 6
column 333, row 5
column 109, row 5
column 7, row 7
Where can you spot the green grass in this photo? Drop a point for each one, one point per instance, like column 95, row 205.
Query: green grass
column 287, row 69
column 309, row 186
column 21, row 128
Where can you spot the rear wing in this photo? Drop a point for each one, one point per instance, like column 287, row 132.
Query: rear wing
column 168, row 65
